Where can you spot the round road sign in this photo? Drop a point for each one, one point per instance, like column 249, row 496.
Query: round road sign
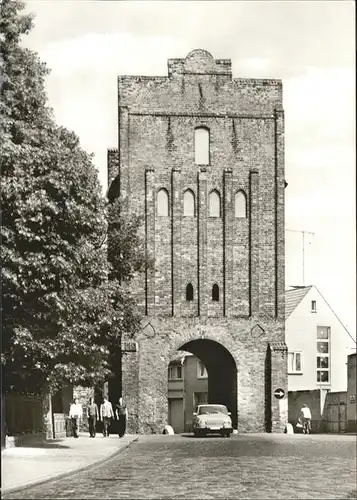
column 279, row 393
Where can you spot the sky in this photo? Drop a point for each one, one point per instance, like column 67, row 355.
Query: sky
column 309, row 45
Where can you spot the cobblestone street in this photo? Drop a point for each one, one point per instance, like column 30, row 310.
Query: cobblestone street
column 244, row 466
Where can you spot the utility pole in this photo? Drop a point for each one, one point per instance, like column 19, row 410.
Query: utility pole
column 303, row 249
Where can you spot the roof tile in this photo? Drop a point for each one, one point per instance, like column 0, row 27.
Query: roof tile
column 293, row 297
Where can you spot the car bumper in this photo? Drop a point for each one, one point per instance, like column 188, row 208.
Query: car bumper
column 212, row 429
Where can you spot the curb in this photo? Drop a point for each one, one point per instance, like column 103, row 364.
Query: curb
column 47, row 479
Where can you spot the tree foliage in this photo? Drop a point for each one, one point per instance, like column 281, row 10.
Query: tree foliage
column 64, row 307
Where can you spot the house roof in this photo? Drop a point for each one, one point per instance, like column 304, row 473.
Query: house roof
column 277, row 346
column 295, row 294
column 293, row 297
column 178, row 357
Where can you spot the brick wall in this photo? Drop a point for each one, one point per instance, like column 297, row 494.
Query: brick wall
column 243, row 256
column 83, row 394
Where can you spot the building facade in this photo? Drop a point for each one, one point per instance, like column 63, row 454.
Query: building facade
column 351, row 393
column 201, row 158
column 318, row 343
column 188, row 387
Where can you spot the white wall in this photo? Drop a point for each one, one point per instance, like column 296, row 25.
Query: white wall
column 301, row 335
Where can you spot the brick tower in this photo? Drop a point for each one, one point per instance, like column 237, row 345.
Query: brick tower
column 201, row 157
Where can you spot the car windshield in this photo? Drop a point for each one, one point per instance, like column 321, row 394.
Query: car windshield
column 203, row 410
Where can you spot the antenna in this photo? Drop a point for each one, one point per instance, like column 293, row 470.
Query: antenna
column 303, row 249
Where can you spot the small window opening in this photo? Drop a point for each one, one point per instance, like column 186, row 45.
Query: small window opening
column 189, row 292
column 215, row 293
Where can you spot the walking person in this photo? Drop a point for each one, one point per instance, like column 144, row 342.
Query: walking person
column 75, row 414
column 106, row 414
column 122, row 415
column 93, row 416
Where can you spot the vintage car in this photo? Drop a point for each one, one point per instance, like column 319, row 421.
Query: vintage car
column 212, row 418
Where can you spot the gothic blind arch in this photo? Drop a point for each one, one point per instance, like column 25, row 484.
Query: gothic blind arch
column 163, row 202
column 240, row 203
column 189, row 203
column 214, row 203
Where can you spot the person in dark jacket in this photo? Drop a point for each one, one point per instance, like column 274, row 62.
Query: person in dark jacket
column 121, row 413
column 92, row 415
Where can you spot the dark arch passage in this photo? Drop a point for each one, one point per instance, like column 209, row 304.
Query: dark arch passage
column 222, row 373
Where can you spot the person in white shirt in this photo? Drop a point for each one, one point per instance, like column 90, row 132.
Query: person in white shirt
column 75, row 414
column 106, row 414
column 305, row 415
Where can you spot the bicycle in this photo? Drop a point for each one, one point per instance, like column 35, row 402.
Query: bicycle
column 306, row 426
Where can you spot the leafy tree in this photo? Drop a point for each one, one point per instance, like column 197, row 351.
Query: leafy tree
column 64, row 308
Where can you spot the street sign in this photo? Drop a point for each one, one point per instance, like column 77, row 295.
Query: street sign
column 279, row 393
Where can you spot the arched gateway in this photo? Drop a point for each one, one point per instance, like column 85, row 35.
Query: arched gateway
column 222, row 373
column 237, row 331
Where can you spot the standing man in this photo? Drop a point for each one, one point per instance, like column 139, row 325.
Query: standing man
column 75, row 414
column 305, row 415
column 106, row 414
column 122, row 415
column 92, row 415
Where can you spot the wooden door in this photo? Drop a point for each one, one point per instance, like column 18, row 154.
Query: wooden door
column 342, row 417
column 176, row 419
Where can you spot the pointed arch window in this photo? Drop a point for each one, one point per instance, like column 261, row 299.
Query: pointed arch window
column 163, row 203
column 189, row 292
column 240, row 204
column 215, row 293
column 214, row 204
column 189, row 203
column 202, row 141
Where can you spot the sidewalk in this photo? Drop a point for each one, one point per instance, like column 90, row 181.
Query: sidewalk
column 25, row 466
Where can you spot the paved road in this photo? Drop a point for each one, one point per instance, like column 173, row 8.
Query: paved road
column 244, row 466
